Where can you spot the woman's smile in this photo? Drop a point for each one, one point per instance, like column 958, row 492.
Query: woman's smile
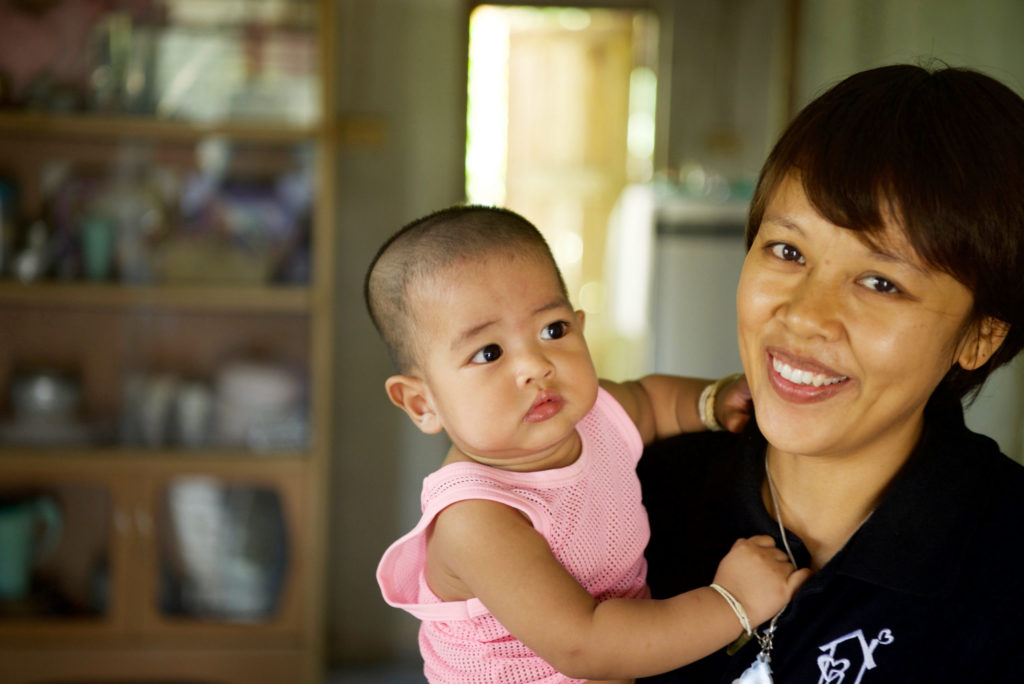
column 802, row 380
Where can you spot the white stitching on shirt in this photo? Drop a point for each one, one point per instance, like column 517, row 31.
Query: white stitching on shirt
column 834, row 670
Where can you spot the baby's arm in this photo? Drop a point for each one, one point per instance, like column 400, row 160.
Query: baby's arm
column 490, row 551
column 665, row 405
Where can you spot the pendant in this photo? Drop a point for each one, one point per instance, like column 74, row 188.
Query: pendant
column 740, row 642
column 757, row 673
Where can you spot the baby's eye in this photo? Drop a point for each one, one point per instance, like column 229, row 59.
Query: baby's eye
column 787, row 252
column 488, row 354
column 554, row 331
column 880, row 284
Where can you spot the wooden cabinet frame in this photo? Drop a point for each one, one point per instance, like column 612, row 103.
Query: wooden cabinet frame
column 133, row 641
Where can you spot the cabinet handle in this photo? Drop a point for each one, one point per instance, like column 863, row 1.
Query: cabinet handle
column 121, row 522
column 143, row 523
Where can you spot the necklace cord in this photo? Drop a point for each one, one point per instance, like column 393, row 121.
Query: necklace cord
column 778, row 513
column 764, row 639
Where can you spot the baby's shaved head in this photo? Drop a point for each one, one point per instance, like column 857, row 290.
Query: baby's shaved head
column 424, row 248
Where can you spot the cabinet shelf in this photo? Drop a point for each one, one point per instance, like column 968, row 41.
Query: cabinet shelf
column 113, row 127
column 226, row 461
column 262, row 299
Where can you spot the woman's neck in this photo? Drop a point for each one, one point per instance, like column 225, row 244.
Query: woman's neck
column 824, row 500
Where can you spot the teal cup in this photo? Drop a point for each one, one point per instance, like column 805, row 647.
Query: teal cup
column 97, row 235
column 29, row 529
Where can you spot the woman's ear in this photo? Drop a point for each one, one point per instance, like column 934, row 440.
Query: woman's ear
column 982, row 342
column 412, row 396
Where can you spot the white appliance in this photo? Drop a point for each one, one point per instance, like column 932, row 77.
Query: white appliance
column 698, row 255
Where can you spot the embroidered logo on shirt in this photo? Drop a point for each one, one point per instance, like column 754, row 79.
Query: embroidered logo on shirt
column 840, row 658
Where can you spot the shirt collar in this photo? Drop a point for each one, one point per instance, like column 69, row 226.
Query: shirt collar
column 916, row 540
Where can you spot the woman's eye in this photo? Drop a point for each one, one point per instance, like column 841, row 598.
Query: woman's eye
column 488, row 354
column 880, row 284
column 554, row 331
column 786, row 252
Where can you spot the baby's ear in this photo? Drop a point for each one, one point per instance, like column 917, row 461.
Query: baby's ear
column 982, row 342
column 412, row 396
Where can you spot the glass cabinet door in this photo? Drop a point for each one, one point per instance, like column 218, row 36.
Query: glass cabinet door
column 55, row 551
column 229, row 550
column 224, row 550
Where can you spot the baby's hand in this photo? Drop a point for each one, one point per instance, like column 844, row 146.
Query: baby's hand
column 733, row 405
column 760, row 576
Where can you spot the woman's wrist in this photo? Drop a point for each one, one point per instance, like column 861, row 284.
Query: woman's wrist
column 706, row 402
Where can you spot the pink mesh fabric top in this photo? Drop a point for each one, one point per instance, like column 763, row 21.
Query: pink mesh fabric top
column 591, row 514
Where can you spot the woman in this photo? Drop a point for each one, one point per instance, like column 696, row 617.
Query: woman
column 882, row 285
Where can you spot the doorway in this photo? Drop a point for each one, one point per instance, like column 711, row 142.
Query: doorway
column 560, row 120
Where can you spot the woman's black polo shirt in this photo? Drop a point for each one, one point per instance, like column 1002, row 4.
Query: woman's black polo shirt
column 930, row 589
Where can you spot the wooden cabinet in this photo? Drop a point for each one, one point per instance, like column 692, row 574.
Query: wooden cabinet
column 165, row 339
column 133, row 586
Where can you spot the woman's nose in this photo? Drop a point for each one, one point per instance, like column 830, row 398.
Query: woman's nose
column 812, row 308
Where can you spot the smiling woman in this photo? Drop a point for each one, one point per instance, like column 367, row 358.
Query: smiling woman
column 880, row 289
column 843, row 344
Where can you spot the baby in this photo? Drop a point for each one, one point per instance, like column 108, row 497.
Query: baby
column 527, row 564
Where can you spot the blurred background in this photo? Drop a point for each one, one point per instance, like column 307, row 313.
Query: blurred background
column 199, row 468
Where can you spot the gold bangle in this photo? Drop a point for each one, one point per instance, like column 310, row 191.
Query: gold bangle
column 706, row 402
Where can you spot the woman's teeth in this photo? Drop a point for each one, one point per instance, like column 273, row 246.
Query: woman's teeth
column 802, row 377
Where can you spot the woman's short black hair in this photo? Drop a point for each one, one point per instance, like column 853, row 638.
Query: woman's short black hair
column 941, row 150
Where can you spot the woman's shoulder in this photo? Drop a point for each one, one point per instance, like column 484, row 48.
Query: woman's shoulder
column 696, row 445
column 697, row 455
column 1002, row 491
column 979, row 458
column 984, row 488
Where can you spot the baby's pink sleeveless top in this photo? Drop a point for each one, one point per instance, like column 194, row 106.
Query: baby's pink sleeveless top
column 590, row 513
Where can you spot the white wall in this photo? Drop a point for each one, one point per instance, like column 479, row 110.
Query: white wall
column 839, row 37
column 400, row 65
column 727, row 93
